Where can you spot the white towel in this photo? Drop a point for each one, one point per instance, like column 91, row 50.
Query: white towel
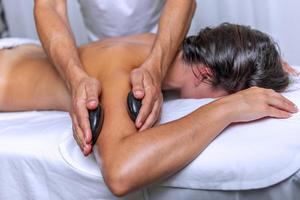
column 14, row 42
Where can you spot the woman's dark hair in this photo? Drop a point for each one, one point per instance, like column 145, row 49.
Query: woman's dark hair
column 238, row 56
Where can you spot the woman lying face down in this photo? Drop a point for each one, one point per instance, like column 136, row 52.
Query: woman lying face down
column 218, row 62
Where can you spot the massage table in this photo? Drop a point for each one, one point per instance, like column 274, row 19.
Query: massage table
column 39, row 159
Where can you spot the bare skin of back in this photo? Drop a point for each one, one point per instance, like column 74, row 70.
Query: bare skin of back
column 31, row 71
column 129, row 159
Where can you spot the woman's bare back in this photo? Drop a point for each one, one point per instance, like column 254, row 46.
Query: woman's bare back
column 28, row 81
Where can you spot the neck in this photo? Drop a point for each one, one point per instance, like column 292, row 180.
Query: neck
column 174, row 77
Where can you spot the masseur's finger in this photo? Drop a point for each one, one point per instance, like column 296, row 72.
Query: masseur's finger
column 79, row 137
column 93, row 90
column 82, row 115
column 154, row 115
column 77, row 133
column 148, row 101
column 136, row 78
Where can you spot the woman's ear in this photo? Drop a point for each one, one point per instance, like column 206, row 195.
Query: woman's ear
column 197, row 80
column 205, row 75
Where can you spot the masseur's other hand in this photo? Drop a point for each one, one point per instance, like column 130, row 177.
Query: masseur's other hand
column 256, row 103
column 146, row 85
column 84, row 96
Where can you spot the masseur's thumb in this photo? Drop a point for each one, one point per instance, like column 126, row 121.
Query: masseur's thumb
column 136, row 78
column 92, row 95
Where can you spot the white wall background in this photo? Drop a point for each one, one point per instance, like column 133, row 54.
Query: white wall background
column 279, row 18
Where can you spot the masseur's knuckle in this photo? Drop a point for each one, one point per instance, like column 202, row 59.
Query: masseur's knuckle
column 135, row 73
column 154, row 93
column 95, row 84
column 76, row 104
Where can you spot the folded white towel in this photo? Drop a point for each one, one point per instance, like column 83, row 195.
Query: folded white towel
column 14, row 42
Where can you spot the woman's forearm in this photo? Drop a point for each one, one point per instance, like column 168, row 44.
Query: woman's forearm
column 57, row 38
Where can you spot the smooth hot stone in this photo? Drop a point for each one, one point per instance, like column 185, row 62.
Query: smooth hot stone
column 134, row 106
column 96, row 121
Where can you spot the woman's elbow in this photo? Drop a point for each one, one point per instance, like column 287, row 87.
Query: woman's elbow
column 118, row 182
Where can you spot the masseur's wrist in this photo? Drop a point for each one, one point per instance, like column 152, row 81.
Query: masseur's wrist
column 154, row 64
column 163, row 52
column 75, row 77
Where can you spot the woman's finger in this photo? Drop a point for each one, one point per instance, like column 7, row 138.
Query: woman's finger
column 280, row 102
column 277, row 113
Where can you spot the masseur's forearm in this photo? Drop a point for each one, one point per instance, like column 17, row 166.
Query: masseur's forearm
column 173, row 25
column 147, row 79
column 57, row 38
column 155, row 153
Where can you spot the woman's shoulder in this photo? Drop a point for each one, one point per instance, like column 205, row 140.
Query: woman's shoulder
column 133, row 42
column 128, row 51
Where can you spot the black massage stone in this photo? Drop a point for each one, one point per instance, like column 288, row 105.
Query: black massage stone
column 96, row 122
column 133, row 105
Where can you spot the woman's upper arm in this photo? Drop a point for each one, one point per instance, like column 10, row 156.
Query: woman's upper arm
column 117, row 123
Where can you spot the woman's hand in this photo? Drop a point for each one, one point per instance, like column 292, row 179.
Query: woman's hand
column 289, row 69
column 84, row 96
column 255, row 103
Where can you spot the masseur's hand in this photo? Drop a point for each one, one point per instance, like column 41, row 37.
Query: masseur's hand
column 256, row 103
column 84, row 96
column 146, row 85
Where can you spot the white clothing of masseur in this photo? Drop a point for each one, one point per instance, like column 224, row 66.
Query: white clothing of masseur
column 106, row 18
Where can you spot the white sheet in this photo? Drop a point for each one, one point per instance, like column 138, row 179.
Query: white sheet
column 13, row 42
column 31, row 166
